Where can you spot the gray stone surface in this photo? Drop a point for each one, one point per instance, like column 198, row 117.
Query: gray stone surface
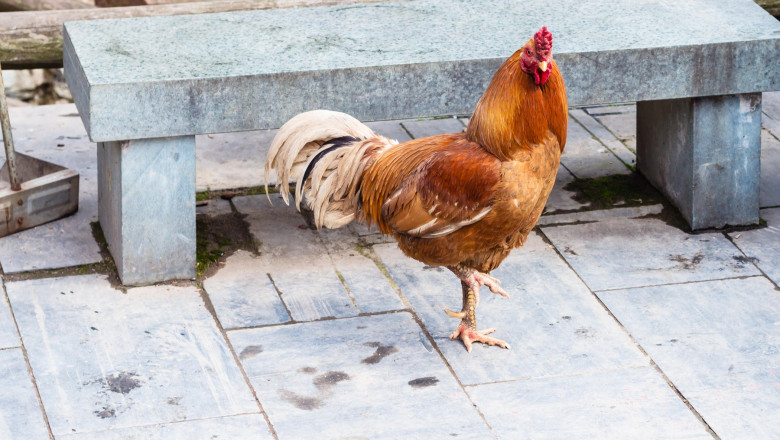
column 718, row 342
column 433, row 127
column 8, row 336
column 770, row 170
column 231, row 160
column 392, row 129
column 620, row 121
column 605, row 136
column 588, row 158
column 368, row 286
column 629, row 252
column 296, row 259
column 628, row 403
column 560, row 199
column 703, row 154
column 243, row 295
column 146, row 201
column 215, row 207
column 104, row 359
column 438, row 63
column 762, row 246
column 20, row 415
column 368, row 377
column 771, row 109
column 55, row 133
column 247, row 426
column 552, row 322
column 599, row 215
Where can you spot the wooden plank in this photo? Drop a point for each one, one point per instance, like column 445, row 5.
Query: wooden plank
column 34, row 39
column 771, row 6
column 40, row 200
column 43, row 5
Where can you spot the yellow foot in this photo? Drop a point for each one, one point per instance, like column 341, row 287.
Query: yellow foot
column 469, row 335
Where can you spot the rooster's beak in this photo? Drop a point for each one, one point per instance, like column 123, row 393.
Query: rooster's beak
column 543, row 66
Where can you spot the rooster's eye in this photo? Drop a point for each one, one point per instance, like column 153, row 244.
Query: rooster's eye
column 528, row 51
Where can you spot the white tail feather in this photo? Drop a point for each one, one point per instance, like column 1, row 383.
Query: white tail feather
column 330, row 189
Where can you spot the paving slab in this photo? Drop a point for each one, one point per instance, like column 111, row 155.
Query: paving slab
column 231, row 160
column 215, row 207
column 392, row 129
column 762, row 246
column 243, row 295
column 296, row 259
column 600, row 214
column 625, row 252
column 553, row 323
column 605, row 136
column 21, row 417
column 604, row 405
column 368, row 286
column 247, row 426
column 367, row 377
column 55, row 133
column 586, row 157
column 8, row 336
column 770, row 106
column 104, row 359
column 560, row 199
column 769, row 192
column 718, row 342
column 433, row 127
column 620, row 121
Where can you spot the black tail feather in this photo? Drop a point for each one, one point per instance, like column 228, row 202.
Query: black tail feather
column 335, row 144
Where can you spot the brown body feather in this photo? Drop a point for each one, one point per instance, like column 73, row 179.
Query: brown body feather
column 503, row 167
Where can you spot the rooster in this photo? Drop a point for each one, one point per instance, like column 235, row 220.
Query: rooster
column 462, row 200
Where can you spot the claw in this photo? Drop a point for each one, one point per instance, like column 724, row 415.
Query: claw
column 451, row 314
column 468, row 335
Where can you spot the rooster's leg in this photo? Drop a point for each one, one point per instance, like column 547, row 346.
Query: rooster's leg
column 476, row 279
column 467, row 330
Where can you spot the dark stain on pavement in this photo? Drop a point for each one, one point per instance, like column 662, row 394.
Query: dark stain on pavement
column 381, row 352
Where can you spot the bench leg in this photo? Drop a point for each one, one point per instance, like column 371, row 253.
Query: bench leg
column 703, row 154
column 146, row 206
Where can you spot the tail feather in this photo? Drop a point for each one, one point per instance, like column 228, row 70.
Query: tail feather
column 325, row 152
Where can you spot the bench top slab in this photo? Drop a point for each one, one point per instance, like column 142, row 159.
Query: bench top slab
column 180, row 75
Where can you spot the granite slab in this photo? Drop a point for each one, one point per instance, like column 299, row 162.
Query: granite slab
column 718, row 342
column 21, row 417
column 221, row 428
column 8, row 336
column 762, row 246
column 626, row 252
column 296, row 259
column 769, row 191
column 243, row 294
column 553, row 323
column 368, row 286
column 280, row 62
column 433, row 127
column 586, row 157
column 55, row 133
column 367, row 377
column 628, row 403
column 104, row 359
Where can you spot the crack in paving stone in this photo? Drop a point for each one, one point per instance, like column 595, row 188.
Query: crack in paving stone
column 250, row 351
column 381, row 352
column 424, row 382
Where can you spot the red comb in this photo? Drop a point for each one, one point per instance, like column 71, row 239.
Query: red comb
column 543, row 40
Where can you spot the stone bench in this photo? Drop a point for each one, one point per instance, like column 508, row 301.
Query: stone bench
column 146, row 86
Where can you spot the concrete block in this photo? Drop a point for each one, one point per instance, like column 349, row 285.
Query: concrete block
column 717, row 341
column 367, row 377
column 762, row 246
column 280, row 62
column 20, row 415
column 703, row 154
column 105, row 360
column 552, row 322
column 146, row 200
column 601, row 405
column 243, row 295
column 630, row 252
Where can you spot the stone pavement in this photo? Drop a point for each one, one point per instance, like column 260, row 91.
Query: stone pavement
column 622, row 324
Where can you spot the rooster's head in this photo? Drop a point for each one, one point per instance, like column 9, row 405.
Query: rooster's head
column 536, row 56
